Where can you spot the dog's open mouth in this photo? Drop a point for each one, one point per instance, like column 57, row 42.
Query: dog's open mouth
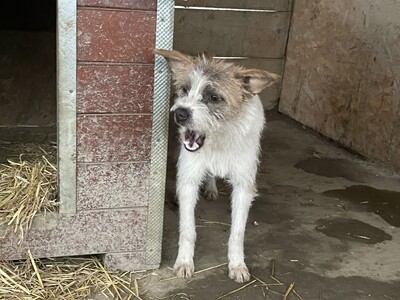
column 193, row 140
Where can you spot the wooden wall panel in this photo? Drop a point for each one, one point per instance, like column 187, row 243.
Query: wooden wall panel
column 342, row 74
column 113, row 138
column 88, row 232
column 257, row 38
column 112, row 185
column 125, row 4
column 278, row 5
column 116, row 35
column 231, row 33
column 115, row 88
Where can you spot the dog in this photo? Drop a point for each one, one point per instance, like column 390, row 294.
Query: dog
column 220, row 119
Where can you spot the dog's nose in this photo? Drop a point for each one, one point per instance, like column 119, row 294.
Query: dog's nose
column 182, row 115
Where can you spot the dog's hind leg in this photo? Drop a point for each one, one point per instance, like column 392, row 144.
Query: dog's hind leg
column 242, row 196
column 210, row 190
column 189, row 179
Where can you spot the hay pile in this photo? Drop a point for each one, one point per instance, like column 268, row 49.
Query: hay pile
column 27, row 187
column 63, row 278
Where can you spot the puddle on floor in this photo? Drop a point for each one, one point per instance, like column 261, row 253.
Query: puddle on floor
column 352, row 230
column 333, row 167
column 384, row 203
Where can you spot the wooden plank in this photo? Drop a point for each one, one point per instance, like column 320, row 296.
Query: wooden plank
column 124, row 4
column 112, row 185
column 343, row 80
column 116, row 35
column 97, row 231
column 270, row 95
column 278, row 5
column 231, row 33
column 114, row 88
column 113, row 138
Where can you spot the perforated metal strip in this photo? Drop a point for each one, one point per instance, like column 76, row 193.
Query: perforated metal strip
column 159, row 142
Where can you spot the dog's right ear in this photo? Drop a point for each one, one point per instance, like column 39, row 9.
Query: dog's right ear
column 256, row 80
column 177, row 61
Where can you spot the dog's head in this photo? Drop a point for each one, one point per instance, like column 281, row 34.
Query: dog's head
column 209, row 93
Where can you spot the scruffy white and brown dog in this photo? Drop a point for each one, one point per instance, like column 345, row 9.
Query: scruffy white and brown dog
column 220, row 120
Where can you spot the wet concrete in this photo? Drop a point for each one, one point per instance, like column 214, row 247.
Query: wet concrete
column 334, row 167
column 295, row 198
column 385, row 203
column 352, row 230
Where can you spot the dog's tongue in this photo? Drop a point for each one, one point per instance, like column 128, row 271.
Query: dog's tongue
column 193, row 140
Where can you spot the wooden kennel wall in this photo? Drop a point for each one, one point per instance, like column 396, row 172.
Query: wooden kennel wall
column 340, row 61
column 342, row 74
column 250, row 33
column 113, row 99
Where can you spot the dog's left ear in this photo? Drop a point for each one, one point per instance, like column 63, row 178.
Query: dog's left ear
column 177, row 61
column 256, row 80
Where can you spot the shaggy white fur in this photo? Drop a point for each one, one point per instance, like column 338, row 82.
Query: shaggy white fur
column 220, row 132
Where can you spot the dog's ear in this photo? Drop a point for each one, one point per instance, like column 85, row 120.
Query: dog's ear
column 177, row 61
column 256, row 80
column 207, row 55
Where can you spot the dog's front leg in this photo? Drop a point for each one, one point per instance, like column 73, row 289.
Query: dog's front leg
column 242, row 196
column 188, row 182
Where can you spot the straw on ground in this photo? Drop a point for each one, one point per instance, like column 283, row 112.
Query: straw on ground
column 27, row 188
column 63, row 278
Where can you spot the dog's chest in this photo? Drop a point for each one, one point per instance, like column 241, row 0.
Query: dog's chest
column 232, row 150
column 226, row 157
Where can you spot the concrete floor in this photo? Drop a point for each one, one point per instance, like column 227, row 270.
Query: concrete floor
column 327, row 219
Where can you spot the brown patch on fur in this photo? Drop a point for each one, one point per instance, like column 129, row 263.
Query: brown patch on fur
column 222, row 79
column 256, row 80
column 179, row 63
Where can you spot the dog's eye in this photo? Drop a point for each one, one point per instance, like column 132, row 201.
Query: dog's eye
column 184, row 90
column 215, row 98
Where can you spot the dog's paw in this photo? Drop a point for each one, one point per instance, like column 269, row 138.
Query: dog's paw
column 184, row 269
column 210, row 194
column 239, row 274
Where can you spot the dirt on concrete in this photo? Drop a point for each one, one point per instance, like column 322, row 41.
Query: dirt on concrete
column 325, row 218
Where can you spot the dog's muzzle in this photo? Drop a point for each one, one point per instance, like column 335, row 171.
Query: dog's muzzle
column 193, row 140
